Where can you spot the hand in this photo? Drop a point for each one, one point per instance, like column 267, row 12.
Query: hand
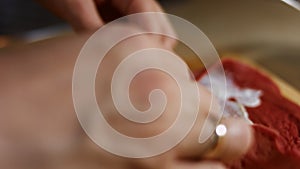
column 89, row 15
column 140, row 88
column 39, row 128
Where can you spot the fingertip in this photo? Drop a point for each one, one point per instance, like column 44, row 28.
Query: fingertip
column 236, row 142
column 84, row 17
column 87, row 26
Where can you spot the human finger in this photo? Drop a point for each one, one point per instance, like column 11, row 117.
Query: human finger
column 223, row 146
column 149, row 22
column 236, row 142
column 81, row 14
column 84, row 15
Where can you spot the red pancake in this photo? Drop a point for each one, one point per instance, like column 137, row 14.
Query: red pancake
column 276, row 122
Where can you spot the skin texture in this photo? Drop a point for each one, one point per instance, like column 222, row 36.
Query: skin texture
column 39, row 128
column 89, row 15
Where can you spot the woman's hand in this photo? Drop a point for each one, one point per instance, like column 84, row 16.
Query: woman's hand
column 39, row 127
column 89, row 15
column 140, row 88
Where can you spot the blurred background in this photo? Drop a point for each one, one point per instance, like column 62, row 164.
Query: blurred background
column 267, row 31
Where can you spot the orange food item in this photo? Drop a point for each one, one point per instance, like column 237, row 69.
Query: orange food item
column 276, row 122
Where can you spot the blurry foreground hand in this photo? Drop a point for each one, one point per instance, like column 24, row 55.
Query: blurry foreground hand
column 39, row 128
column 89, row 15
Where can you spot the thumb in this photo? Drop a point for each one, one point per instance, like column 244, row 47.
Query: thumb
column 236, row 139
column 235, row 143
